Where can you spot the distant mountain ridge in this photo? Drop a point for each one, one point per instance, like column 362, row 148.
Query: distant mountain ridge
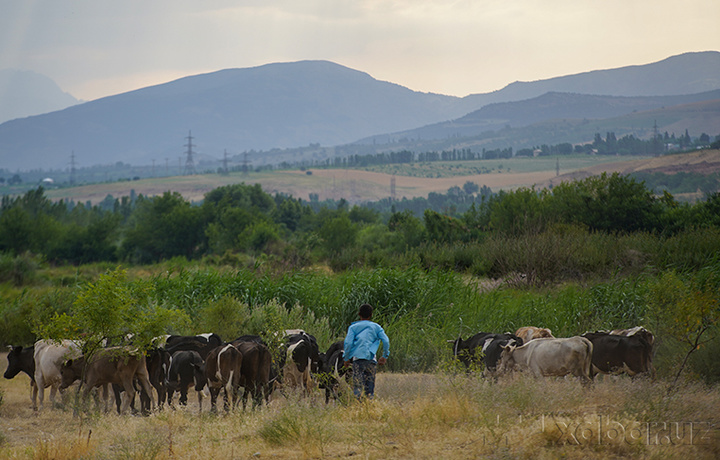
column 287, row 105
column 549, row 106
column 24, row 93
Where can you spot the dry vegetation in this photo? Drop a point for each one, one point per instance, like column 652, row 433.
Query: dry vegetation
column 442, row 415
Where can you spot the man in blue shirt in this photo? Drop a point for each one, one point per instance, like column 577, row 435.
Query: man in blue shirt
column 361, row 344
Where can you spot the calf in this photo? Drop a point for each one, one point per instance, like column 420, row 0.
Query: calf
column 550, row 357
column 107, row 366
column 187, row 369
column 333, row 370
column 528, row 333
column 223, row 369
column 49, row 357
column 617, row 353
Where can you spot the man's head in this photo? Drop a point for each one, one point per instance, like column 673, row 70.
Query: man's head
column 365, row 311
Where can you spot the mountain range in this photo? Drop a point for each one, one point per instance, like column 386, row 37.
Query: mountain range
column 288, row 105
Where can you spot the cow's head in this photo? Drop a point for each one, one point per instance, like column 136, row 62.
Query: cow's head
column 70, row 371
column 13, row 357
column 199, row 376
column 507, row 357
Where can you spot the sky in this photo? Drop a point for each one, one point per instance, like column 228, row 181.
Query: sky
column 97, row 48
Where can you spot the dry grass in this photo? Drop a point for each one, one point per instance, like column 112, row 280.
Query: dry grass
column 413, row 416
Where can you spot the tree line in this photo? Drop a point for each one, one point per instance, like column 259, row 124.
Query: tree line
column 244, row 220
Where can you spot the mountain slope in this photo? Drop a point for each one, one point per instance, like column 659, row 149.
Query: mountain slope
column 686, row 73
column 546, row 107
column 290, row 105
column 272, row 106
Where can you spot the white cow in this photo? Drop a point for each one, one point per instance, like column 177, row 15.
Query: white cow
column 550, row 357
column 49, row 358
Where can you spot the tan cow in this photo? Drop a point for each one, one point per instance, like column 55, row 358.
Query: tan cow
column 550, row 357
column 528, row 333
column 109, row 365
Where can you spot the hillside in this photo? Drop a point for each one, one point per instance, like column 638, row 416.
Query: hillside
column 549, row 106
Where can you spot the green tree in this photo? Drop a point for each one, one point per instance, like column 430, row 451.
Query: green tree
column 163, row 227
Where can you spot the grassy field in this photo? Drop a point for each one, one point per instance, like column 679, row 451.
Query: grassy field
column 438, row 415
column 416, row 180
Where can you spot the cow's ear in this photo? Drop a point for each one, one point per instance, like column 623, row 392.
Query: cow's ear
column 68, row 362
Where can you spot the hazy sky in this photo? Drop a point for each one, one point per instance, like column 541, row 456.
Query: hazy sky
column 96, row 48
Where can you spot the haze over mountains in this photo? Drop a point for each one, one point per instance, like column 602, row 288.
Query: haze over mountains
column 287, row 105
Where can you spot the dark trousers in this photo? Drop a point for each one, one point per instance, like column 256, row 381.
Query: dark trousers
column 364, row 377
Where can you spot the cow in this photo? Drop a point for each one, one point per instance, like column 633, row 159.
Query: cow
column 49, row 357
column 187, row 369
column 21, row 359
column 528, row 333
column 490, row 344
column 202, row 343
column 333, row 370
column 255, row 371
column 302, row 357
column 107, row 366
column 223, row 369
column 157, row 361
column 614, row 353
column 550, row 357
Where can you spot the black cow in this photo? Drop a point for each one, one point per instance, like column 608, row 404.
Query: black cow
column 488, row 343
column 333, row 370
column 21, row 359
column 202, row 343
column 187, row 369
column 617, row 353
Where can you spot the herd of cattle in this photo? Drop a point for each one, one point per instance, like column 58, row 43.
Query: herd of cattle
column 178, row 363
column 175, row 364
column 539, row 352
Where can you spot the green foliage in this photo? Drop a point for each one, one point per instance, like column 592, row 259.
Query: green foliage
column 20, row 269
column 110, row 309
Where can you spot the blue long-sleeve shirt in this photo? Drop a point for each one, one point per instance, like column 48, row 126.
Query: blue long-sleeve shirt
column 363, row 340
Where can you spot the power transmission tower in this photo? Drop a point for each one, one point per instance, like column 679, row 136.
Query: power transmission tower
column 656, row 140
column 225, row 168
column 245, row 166
column 189, row 165
column 392, row 188
column 72, row 168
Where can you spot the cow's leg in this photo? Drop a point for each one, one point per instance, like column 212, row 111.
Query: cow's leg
column 117, row 389
column 34, row 396
column 53, row 392
column 214, row 392
column 200, row 398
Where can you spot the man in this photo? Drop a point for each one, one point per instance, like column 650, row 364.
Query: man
column 361, row 345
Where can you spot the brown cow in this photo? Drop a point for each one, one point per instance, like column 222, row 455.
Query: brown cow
column 109, row 365
column 528, row 333
column 223, row 370
column 614, row 353
column 255, row 375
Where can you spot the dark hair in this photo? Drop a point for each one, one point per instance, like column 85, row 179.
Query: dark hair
column 365, row 311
